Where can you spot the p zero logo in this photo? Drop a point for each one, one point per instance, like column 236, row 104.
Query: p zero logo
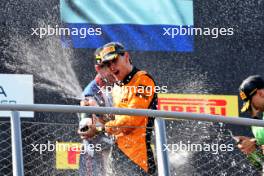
column 67, row 155
column 224, row 105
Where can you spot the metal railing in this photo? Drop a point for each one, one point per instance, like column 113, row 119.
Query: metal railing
column 162, row 157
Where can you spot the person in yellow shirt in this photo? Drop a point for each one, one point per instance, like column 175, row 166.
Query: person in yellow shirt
column 132, row 153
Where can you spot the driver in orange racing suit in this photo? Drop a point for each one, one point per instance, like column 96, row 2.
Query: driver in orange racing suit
column 132, row 153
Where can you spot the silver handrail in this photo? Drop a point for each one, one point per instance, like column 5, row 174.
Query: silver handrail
column 163, row 164
column 135, row 112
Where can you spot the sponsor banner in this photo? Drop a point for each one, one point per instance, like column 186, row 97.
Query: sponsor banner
column 16, row 89
column 67, row 155
column 115, row 20
column 225, row 105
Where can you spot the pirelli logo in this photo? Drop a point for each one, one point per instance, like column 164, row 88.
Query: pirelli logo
column 225, row 105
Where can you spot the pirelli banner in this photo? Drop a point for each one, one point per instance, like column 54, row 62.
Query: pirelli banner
column 67, row 155
column 226, row 105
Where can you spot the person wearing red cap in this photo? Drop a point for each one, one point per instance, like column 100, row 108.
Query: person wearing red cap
column 132, row 154
column 251, row 92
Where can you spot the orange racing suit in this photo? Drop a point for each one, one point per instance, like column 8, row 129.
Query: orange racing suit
column 134, row 136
